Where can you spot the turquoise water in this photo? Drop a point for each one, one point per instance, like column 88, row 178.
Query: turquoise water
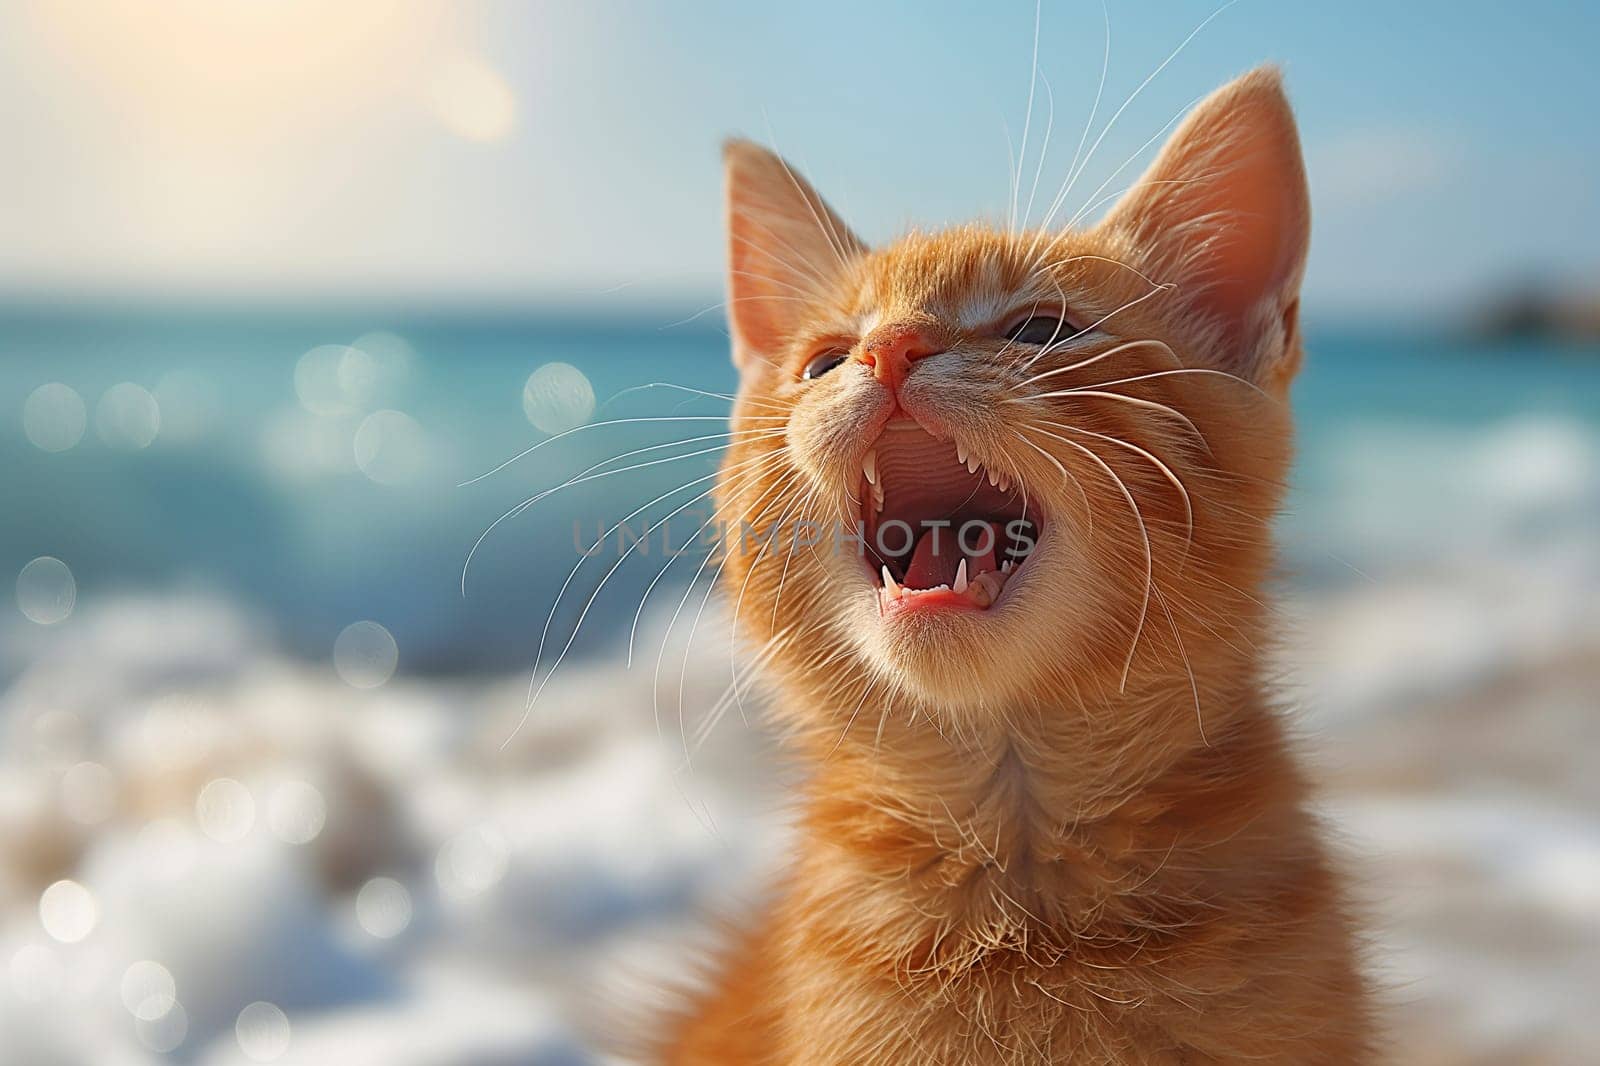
column 244, row 493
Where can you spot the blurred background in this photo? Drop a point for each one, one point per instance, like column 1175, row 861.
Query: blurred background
column 280, row 280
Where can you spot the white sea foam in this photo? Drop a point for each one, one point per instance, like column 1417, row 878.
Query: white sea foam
column 472, row 885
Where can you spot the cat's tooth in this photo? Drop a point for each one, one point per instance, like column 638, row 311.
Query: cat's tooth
column 972, row 465
column 1004, row 483
column 986, row 588
column 1007, row 566
column 994, row 478
column 960, row 585
column 961, row 453
column 890, row 586
column 869, row 466
column 877, row 498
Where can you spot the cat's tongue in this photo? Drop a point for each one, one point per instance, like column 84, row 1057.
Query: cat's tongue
column 938, row 555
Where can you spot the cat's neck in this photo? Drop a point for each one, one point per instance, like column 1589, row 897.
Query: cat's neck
column 1042, row 820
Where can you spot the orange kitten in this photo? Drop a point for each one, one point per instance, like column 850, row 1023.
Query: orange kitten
column 1050, row 815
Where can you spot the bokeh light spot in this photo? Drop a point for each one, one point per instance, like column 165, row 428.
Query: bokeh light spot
column 190, row 406
column 473, row 100
column 391, row 352
column 54, row 417
column 390, row 447
column 165, row 1033
column 68, row 911
column 36, row 973
column 148, row 990
column 46, row 591
column 127, row 417
column 471, row 863
column 320, row 377
column 262, row 1030
column 558, row 397
column 365, row 654
column 58, row 737
column 167, row 849
column 225, row 810
column 88, row 793
column 383, row 907
column 296, row 812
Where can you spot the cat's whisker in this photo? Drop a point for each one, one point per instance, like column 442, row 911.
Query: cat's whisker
column 1111, row 123
column 1144, row 534
column 1112, row 197
column 737, row 483
column 1066, row 476
column 1166, row 471
column 1061, row 297
column 1122, row 397
column 537, row 687
column 783, row 577
column 730, row 696
column 807, row 294
column 1044, row 148
column 761, row 404
column 1108, row 316
column 1088, row 124
column 738, row 606
column 672, row 623
column 804, row 267
column 590, row 475
column 724, row 305
column 1125, row 346
column 1088, row 257
column 872, row 683
column 1205, row 371
column 1188, row 667
column 1027, row 118
column 825, row 225
column 1093, row 200
column 1099, row 93
column 598, row 425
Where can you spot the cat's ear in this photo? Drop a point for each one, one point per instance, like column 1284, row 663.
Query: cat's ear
column 784, row 245
column 1223, row 213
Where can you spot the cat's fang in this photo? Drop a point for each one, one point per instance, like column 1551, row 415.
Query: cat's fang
column 869, row 466
column 890, row 586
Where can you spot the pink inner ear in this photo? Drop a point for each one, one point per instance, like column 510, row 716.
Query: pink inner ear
column 784, row 243
column 1224, row 214
column 1257, row 246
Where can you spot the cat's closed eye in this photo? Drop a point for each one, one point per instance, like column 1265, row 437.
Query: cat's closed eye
column 823, row 362
column 1040, row 330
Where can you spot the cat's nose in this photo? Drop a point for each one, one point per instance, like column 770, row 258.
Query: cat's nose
column 891, row 349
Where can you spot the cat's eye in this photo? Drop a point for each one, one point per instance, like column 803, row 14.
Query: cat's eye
column 823, row 362
column 1040, row 330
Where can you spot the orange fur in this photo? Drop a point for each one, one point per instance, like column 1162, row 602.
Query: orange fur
column 1067, row 828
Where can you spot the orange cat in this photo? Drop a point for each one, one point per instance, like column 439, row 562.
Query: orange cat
column 1051, row 815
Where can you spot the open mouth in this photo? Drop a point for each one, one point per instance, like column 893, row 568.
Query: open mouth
column 942, row 529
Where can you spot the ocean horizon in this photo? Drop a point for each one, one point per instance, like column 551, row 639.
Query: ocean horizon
column 312, row 489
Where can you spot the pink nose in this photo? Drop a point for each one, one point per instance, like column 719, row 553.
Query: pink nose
column 890, row 350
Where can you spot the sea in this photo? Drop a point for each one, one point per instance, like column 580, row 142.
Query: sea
column 322, row 468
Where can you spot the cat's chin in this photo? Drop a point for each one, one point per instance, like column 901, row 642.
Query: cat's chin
column 949, row 649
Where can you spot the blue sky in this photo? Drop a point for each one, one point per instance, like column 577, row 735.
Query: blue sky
column 559, row 152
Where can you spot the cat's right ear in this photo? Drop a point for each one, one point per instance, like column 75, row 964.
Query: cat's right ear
column 785, row 244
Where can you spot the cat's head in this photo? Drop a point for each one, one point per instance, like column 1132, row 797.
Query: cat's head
column 1075, row 439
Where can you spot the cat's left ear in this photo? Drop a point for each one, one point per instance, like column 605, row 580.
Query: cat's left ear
column 785, row 247
column 1223, row 213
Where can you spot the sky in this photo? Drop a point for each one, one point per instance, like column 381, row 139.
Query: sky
column 566, row 154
